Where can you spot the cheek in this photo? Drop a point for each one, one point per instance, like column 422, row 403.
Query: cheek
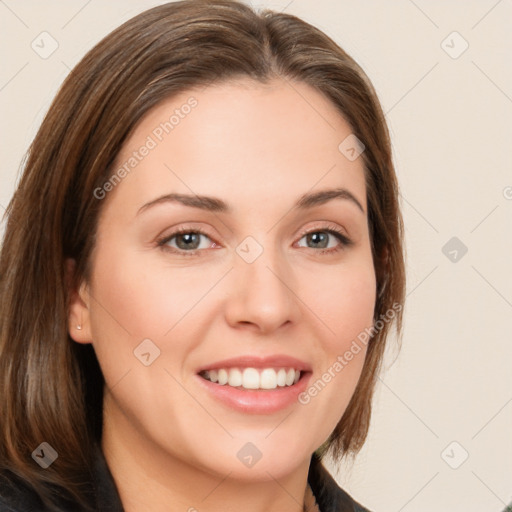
column 343, row 301
column 351, row 310
column 143, row 297
column 135, row 298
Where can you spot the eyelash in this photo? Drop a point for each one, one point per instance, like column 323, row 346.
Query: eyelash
column 333, row 230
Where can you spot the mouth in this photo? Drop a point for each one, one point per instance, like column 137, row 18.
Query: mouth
column 253, row 378
column 254, row 384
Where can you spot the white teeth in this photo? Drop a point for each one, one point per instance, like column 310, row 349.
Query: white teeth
column 235, row 377
column 223, row 377
column 268, row 379
column 281, row 377
column 251, row 378
column 290, row 376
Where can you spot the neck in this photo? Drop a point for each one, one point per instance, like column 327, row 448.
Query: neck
column 149, row 478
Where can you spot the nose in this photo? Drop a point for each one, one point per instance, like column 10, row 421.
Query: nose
column 262, row 295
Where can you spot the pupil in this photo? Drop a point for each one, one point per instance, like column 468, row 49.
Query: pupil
column 318, row 237
column 189, row 239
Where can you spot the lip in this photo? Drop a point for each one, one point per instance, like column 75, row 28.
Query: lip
column 257, row 401
column 275, row 361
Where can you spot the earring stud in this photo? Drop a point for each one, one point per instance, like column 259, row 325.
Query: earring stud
column 79, row 327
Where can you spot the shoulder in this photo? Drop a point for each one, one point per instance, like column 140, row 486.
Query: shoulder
column 100, row 492
column 328, row 494
column 15, row 496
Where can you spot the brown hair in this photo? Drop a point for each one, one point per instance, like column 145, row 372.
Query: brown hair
column 51, row 387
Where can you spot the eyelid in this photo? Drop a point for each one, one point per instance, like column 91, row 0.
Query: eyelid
column 325, row 227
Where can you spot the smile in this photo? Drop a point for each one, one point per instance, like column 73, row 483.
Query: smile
column 252, row 378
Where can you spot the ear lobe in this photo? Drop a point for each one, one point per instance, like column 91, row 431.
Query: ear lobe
column 78, row 308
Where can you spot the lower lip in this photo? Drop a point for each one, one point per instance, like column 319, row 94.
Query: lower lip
column 258, row 401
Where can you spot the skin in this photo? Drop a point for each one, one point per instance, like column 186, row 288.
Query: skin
column 258, row 148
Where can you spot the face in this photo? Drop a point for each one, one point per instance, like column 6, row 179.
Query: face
column 218, row 257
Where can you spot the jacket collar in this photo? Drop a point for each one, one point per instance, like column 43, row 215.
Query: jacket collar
column 329, row 496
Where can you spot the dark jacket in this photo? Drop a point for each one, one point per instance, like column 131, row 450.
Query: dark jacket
column 16, row 497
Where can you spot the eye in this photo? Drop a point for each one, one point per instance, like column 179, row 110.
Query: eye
column 185, row 240
column 327, row 240
column 190, row 242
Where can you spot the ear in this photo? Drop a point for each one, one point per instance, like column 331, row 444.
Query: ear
column 79, row 324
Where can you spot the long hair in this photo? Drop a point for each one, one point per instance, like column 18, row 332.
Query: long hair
column 52, row 388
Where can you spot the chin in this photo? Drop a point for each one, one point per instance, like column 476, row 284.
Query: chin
column 259, row 460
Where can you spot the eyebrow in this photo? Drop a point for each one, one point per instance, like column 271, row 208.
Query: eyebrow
column 214, row 204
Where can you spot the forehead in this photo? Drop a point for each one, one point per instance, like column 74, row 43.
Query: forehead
column 246, row 141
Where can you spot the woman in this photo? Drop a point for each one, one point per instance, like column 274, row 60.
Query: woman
column 201, row 265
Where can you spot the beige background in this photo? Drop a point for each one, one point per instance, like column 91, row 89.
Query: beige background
column 451, row 123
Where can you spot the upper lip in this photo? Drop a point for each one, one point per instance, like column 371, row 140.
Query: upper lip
column 248, row 361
